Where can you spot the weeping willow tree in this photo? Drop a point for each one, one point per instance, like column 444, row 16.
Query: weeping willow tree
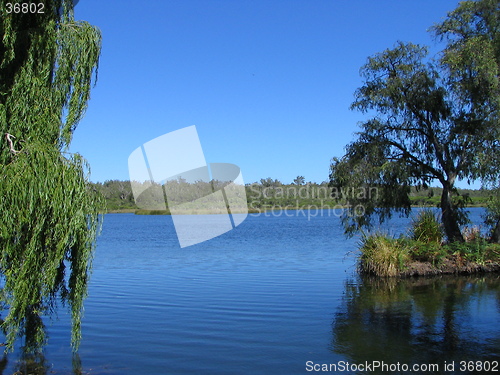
column 48, row 212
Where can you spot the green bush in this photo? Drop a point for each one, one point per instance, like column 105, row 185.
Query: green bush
column 426, row 228
column 475, row 251
column 421, row 251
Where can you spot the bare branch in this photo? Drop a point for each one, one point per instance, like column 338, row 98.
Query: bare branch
column 9, row 139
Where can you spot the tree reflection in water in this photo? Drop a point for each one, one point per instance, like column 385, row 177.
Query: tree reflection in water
column 36, row 364
column 422, row 320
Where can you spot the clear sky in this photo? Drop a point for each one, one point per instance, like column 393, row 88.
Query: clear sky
column 268, row 83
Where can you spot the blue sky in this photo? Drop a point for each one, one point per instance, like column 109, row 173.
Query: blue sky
column 268, row 83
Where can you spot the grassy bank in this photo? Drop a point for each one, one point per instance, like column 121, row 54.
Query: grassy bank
column 423, row 252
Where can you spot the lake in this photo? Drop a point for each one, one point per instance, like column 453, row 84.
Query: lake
column 277, row 295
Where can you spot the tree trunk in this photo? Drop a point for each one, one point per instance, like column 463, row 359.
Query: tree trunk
column 449, row 217
column 495, row 234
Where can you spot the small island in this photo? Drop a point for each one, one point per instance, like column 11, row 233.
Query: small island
column 424, row 252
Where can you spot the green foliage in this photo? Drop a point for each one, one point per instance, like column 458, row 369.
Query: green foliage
column 492, row 217
column 47, row 234
column 426, row 228
column 49, row 212
column 472, row 59
column 264, row 196
column 478, row 250
column 431, row 197
column 118, row 194
column 299, row 180
column 433, row 252
column 267, row 182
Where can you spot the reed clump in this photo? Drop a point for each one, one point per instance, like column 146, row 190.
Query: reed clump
column 382, row 255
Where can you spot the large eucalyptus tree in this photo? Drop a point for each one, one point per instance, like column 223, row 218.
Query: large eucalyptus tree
column 48, row 212
column 434, row 120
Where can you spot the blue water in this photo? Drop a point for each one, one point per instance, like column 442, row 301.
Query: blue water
column 264, row 298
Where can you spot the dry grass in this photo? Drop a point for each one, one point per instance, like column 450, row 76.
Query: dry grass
column 472, row 233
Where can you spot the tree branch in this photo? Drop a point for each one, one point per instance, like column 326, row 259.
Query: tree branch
column 9, row 139
column 434, row 172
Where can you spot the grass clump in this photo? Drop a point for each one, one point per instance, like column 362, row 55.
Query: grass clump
column 426, row 228
column 382, row 255
column 426, row 238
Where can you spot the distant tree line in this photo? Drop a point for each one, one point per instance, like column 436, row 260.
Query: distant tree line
column 268, row 193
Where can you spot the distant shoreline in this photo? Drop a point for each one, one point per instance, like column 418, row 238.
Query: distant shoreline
column 138, row 211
